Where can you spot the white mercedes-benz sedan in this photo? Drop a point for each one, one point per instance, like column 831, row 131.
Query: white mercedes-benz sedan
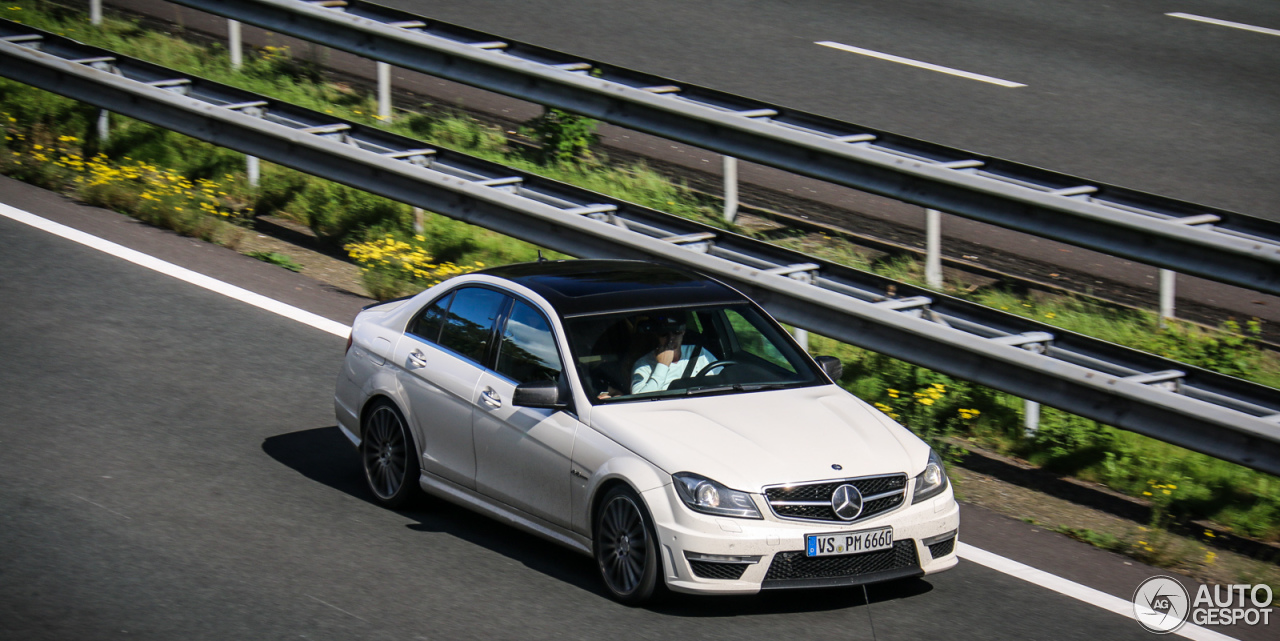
column 651, row 417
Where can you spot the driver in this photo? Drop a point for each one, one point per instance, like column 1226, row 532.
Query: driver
column 668, row 361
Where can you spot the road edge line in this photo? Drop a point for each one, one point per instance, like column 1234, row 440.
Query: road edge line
column 181, row 273
column 1074, row 590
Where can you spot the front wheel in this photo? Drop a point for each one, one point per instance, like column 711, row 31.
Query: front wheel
column 626, row 549
column 390, row 460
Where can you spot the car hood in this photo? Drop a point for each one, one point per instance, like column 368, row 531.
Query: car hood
column 750, row 440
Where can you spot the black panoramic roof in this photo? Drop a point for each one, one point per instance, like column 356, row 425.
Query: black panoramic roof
column 578, row 287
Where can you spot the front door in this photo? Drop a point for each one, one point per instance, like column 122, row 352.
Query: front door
column 523, row 454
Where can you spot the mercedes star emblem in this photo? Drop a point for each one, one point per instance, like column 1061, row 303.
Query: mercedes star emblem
column 846, row 502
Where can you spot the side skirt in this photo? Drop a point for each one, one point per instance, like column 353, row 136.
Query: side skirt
column 470, row 499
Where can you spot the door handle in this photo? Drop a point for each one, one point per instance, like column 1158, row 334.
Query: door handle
column 491, row 398
column 417, row 359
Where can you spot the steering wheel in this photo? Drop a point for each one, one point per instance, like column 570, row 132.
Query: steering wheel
column 713, row 365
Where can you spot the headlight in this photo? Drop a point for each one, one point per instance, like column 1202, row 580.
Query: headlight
column 704, row 495
column 932, row 481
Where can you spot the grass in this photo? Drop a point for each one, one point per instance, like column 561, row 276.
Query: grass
column 276, row 258
column 199, row 189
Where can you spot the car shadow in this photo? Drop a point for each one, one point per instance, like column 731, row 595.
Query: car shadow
column 325, row 456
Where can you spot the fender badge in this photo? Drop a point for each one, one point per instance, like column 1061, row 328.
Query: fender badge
column 836, row 466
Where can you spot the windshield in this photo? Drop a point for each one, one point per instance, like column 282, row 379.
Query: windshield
column 663, row 353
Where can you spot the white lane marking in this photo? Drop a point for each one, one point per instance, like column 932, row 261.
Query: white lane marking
column 334, row 607
column 101, row 506
column 181, row 273
column 965, row 551
column 1225, row 23
column 1074, row 590
column 917, row 63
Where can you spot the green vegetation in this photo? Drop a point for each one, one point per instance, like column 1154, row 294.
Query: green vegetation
column 200, row 190
column 1181, row 484
column 276, row 258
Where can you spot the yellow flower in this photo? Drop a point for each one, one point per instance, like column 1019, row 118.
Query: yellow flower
column 1146, row 494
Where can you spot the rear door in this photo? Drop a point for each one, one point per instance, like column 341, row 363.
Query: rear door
column 439, row 362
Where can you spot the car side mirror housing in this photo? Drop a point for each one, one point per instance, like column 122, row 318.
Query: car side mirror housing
column 541, row 395
column 831, row 365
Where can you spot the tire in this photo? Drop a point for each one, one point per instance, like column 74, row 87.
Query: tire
column 389, row 457
column 626, row 548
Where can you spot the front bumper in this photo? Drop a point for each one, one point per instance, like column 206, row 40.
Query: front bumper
column 709, row 554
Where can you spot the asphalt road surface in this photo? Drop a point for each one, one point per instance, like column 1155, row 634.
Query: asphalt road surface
column 1116, row 91
column 170, row 468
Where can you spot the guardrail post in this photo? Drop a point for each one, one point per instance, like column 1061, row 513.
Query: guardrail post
column 933, row 249
column 1168, row 281
column 1030, row 418
column 730, row 188
column 104, row 125
column 805, row 273
column 95, row 12
column 251, row 168
column 384, row 92
column 1036, row 343
column 802, row 337
column 251, row 163
column 419, row 220
column 234, row 44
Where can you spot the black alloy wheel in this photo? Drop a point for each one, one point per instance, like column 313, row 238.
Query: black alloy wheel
column 625, row 546
column 389, row 457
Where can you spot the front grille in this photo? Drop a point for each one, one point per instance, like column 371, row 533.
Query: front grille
column 900, row 560
column 942, row 548
column 816, row 497
column 709, row 570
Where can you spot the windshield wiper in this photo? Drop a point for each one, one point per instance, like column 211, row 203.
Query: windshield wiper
column 736, row 387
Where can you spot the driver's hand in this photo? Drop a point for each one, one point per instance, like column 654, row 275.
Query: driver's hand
column 668, row 350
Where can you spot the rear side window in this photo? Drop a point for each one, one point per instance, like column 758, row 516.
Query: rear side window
column 468, row 326
column 528, row 349
column 427, row 325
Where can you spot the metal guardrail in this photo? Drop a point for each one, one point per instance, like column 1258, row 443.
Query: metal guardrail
column 1222, row 416
column 1193, row 239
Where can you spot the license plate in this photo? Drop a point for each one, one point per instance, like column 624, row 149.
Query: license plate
column 838, row 543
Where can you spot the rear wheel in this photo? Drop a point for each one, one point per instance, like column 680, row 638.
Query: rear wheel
column 389, row 457
column 626, row 549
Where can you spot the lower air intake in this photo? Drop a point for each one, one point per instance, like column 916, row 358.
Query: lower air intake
column 794, row 569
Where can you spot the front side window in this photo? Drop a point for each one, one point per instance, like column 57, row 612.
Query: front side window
column 468, row 325
column 684, row 352
column 527, row 351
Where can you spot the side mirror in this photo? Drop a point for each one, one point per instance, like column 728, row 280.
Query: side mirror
column 540, row 394
column 831, row 365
